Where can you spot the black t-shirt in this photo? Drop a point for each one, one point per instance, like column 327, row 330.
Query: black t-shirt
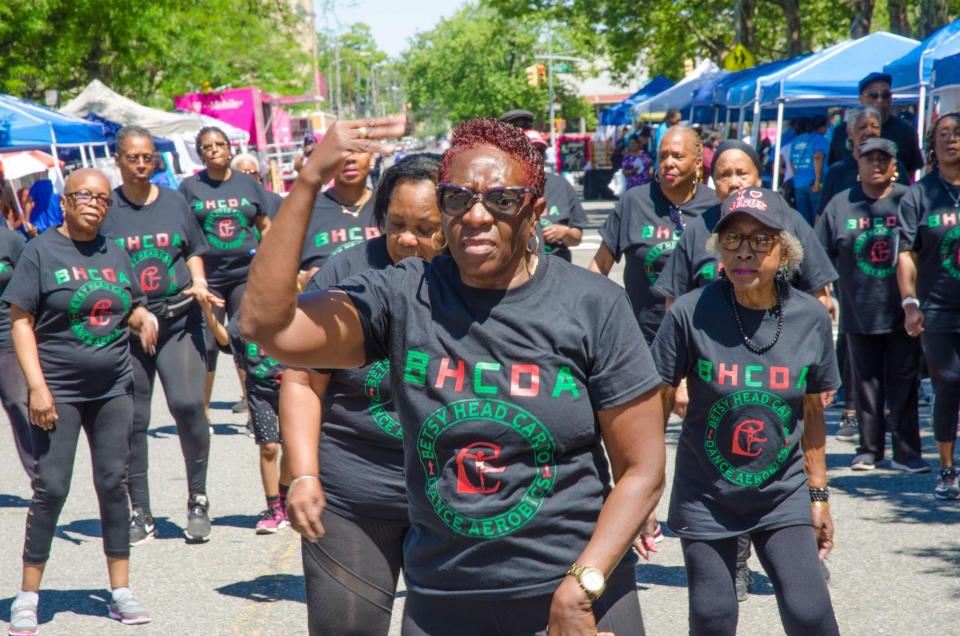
column 691, row 265
column 11, row 245
column 263, row 373
column 640, row 228
column 563, row 207
column 273, row 204
column 860, row 235
column 80, row 293
column 843, row 175
column 332, row 230
column 929, row 218
column 159, row 237
column 497, row 393
column 894, row 129
column 739, row 466
column 227, row 212
column 361, row 441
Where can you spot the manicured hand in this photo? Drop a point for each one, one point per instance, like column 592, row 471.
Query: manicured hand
column 305, row 504
column 203, row 295
column 346, row 137
column 555, row 233
column 571, row 612
column 823, row 527
column 645, row 543
column 913, row 320
column 43, row 411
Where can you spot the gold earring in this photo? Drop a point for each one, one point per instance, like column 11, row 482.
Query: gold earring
column 896, row 175
column 536, row 244
column 438, row 241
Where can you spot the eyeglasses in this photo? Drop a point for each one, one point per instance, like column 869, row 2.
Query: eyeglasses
column 505, row 201
column 731, row 241
column 216, row 145
column 135, row 159
column 676, row 217
column 884, row 95
column 88, row 198
column 946, row 134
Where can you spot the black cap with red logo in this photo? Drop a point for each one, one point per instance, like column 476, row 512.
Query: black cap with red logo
column 762, row 204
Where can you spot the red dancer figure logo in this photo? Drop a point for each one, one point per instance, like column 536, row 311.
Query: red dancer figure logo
column 475, row 460
column 745, row 435
column 150, row 278
column 880, row 252
column 226, row 228
column 100, row 314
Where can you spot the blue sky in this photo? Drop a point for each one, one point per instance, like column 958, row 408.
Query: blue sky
column 392, row 21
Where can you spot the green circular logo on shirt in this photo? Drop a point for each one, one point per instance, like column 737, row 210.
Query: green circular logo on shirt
column 950, row 252
column 371, row 387
column 150, row 264
column 226, row 228
column 345, row 246
column 875, row 252
column 493, row 480
column 746, row 436
column 96, row 312
column 649, row 263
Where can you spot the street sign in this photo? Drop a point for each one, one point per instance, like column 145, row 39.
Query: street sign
column 738, row 59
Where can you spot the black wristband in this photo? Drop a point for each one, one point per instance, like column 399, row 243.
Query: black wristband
column 819, row 494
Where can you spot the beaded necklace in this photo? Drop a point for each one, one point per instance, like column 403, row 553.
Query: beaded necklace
column 777, row 309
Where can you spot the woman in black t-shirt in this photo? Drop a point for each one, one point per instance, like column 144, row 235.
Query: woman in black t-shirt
column 858, row 228
column 166, row 247
column 928, row 273
column 360, row 460
column 232, row 210
column 648, row 221
column 505, row 411
column 13, row 387
column 756, row 354
column 72, row 296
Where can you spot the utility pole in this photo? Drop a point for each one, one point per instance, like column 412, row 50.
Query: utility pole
column 553, row 132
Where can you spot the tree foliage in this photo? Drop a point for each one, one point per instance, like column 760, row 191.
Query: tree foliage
column 152, row 50
column 365, row 71
column 473, row 65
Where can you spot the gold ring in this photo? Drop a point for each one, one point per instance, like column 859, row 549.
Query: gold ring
column 362, row 132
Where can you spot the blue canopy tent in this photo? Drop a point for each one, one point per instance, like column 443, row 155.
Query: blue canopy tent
column 737, row 91
column 828, row 78
column 703, row 108
column 621, row 114
column 110, row 129
column 946, row 72
column 914, row 70
column 679, row 96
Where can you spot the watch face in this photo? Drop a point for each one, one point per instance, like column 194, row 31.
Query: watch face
column 592, row 580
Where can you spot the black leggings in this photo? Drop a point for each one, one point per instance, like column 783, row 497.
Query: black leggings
column 107, row 423
column 887, row 372
column 942, row 351
column 351, row 575
column 846, row 364
column 13, row 395
column 617, row 611
column 232, row 294
column 788, row 555
column 179, row 361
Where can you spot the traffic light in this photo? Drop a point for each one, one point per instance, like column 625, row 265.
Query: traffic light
column 533, row 75
column 542, row 73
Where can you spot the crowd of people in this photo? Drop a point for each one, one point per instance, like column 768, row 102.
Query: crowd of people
column 435, row 389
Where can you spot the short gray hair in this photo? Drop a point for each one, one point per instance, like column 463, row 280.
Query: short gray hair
column 245, row 156
column 853, row 115
column 792, row 248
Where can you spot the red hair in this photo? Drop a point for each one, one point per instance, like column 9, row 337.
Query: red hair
column 504, row 137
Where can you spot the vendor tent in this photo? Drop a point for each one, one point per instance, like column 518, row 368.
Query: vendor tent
column 945, row 81
column 620, row 114
column 110, row 129
column 680, row 95
column 27, row 124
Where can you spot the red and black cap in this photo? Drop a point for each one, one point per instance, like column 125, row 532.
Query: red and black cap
column 762, row 204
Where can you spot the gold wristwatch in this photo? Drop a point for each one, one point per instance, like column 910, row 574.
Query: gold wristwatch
column 591, row 580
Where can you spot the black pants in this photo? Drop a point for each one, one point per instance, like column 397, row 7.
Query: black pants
column 788, row 555
column 846, row 364
column 179, row 362
column 618, row 611
column 13, row 395
column 351, row 576
column 107, row 423
column 887, row 372
column 942, row 351
column 232, row 294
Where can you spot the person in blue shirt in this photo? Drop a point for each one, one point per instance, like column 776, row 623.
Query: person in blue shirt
column 42, row 209
column 808, row 156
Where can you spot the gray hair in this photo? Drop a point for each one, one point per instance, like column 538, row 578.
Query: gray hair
column 127, row 132
column 245, row 156
column 792, row 249
column 853, row 115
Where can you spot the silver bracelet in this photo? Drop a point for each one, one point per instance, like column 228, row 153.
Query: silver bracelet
column 293, row 482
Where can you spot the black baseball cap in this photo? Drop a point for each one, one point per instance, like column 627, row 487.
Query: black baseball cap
column 874, row 77
column 762, row 204
column 878, row 143
column 518, row 117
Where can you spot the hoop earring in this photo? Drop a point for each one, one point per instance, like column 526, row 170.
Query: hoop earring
column 858, row 177
column 536, row 244
column 438, row 244
column 896, row 175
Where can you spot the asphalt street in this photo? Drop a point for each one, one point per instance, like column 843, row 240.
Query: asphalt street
column 894, row 570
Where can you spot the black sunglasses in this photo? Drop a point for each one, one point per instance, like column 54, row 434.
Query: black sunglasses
column 504, row 201
column 880, row 95
column 758, row 242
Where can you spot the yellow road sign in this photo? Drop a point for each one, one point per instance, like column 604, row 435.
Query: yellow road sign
column 738, row 59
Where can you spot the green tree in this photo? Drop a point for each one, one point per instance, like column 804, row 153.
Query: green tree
column 364, row 69
column 473, row 65
column 150, row 51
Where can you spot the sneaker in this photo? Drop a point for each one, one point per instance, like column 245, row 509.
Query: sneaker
column 239, row 407
column 198, row 518
column 142, row 527
column 946, row 486
column 743, row 583
column 910, row 465
column 864, row 461
column 848, row 431
column 128, row 610
column 23, row 618
column 271, row 520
